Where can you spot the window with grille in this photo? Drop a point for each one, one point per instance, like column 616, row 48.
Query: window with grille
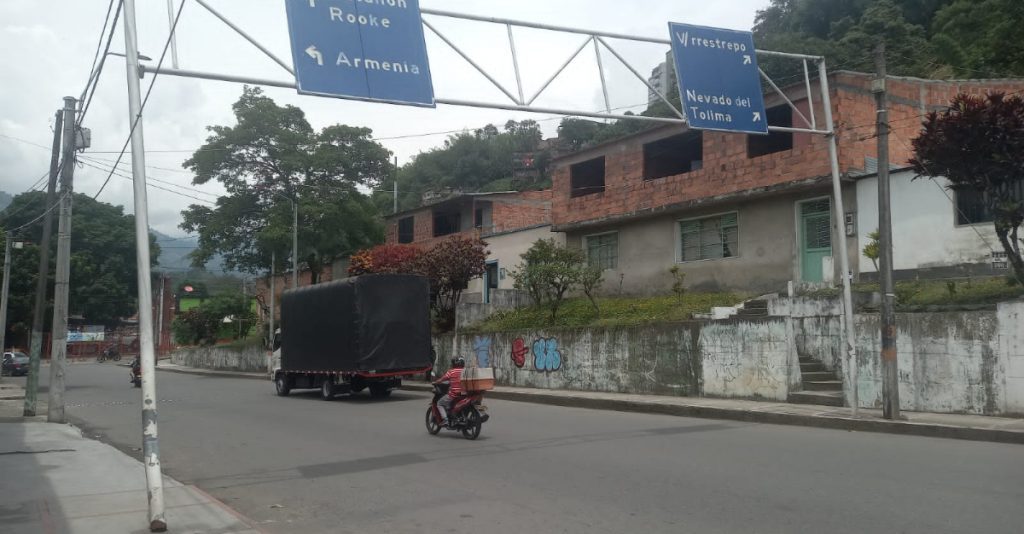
column 406, row 230
column 971, row 207
column 710, row 237
column 603, row 251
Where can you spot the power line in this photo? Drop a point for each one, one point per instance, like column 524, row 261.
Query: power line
column 33, row 221
column 112, row 172
column 94, row 75
column 107, row 167
column 135, row 122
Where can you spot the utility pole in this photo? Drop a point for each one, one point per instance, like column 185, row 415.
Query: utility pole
column 42, row 282
column 59, row 338
column 273, row 262
column 394, row 208
column 295, row 241
column 160, row 317
column 890, row 372
column 150, row 442
column 5, row 288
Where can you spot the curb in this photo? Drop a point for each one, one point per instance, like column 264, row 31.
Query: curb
column 224, row 374
column 749, row 416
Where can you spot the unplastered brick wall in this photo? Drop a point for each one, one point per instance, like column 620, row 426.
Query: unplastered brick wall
column 509, row 212
column 726, row 167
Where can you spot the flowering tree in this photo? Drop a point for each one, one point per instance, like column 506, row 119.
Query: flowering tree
column 977, row 144
column 385, row 259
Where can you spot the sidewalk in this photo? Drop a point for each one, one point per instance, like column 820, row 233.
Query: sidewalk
column 56, row 480
column 969, row 427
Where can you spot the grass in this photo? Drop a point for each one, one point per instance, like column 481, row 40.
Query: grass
column 916, row 293
column 618, row 311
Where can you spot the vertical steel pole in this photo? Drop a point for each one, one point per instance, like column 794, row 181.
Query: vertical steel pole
column 844, row 260
column 5, row 288
column 295, row 242
column 173, row 37
column 394, row 207
column 42, row 282
column 150, row 443
column 59, row 338
column 890, row 369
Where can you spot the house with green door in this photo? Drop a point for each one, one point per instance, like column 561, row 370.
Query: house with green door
column 736, row 211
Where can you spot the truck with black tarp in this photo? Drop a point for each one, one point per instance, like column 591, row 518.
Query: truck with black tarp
column 349, row 335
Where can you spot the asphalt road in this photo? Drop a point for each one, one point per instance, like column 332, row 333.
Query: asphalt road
column 300, row 464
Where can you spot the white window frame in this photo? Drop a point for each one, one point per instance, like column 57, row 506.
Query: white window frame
column 586, row 248
column 677, row 230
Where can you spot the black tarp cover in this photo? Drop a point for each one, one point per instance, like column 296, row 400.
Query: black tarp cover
column 375, row 323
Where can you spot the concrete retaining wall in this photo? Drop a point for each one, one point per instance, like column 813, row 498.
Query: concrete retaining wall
column 248, row 359
column 747, row 359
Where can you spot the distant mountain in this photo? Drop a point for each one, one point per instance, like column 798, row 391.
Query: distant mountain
column 5, row 199
column 174, row 254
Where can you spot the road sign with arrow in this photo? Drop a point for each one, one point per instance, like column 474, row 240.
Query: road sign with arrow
column 719, row 84
column 360, row 50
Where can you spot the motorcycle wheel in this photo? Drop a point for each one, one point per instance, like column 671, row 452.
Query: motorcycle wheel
column 433, row 425
column 473, row 425
column 100, row 358
column 116, row 357
column 138, row 383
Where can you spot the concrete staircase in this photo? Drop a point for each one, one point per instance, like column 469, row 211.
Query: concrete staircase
column 753, row 308
column 820, row 386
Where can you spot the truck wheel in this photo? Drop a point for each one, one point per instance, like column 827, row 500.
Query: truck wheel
column 327, row 389
column 379, row 391
column 281, row 384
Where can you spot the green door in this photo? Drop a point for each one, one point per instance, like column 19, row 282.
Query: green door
column 815, row 238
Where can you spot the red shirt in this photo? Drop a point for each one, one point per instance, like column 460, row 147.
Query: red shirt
column 454, row 378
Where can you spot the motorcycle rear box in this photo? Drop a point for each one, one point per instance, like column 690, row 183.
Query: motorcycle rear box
column 478, row 379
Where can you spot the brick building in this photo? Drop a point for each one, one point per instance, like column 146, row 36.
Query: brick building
column 508, row 221
column 737, row 211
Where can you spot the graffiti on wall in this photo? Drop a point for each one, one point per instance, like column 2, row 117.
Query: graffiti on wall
column 519, row 351
column 546, row 355
column 482, row 348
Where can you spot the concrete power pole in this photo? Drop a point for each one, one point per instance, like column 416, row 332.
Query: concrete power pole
column 5, row 288
column 295, row 241
column 273, row 261
column 42, row 282
column 890, row 371
column 394, row 208
column 59, row 339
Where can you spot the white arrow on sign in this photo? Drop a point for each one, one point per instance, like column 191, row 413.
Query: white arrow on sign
column 746, row 57
column 315, row 54
column 757, row 116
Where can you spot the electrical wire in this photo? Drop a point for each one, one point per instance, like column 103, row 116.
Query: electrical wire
column 107, row 167
column 94, row 75
column 112, row 172
column 33, row 221
column 135, row 122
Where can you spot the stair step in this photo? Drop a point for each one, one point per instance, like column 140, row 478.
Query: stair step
column 817, row 376
column 812, row 366
column 825, row 398
column 822, row 385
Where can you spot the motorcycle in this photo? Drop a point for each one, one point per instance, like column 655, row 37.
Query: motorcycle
column 137, row 373
column 109, row 353
column 467, row 414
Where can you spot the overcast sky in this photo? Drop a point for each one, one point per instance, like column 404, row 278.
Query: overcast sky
column 46, row 48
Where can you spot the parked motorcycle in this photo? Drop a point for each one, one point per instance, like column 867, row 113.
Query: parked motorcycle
column 136, row 373
column 467, row 414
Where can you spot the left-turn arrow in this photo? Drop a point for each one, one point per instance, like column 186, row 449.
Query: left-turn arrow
column 315, row 54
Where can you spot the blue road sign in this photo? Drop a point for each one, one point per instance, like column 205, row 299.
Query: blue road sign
column 360, row 49
column 719, row 86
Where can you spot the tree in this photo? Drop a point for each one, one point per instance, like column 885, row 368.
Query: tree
column 204, row 324
column 872, row 250
column 103, row 272
column 450, row 265
column 590, row 280
column 271, row 157
column 548, row 272
column 981, row 38
column 977, row 144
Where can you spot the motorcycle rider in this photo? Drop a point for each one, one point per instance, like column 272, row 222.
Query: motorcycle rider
column 454, row 379
column 136, row 367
